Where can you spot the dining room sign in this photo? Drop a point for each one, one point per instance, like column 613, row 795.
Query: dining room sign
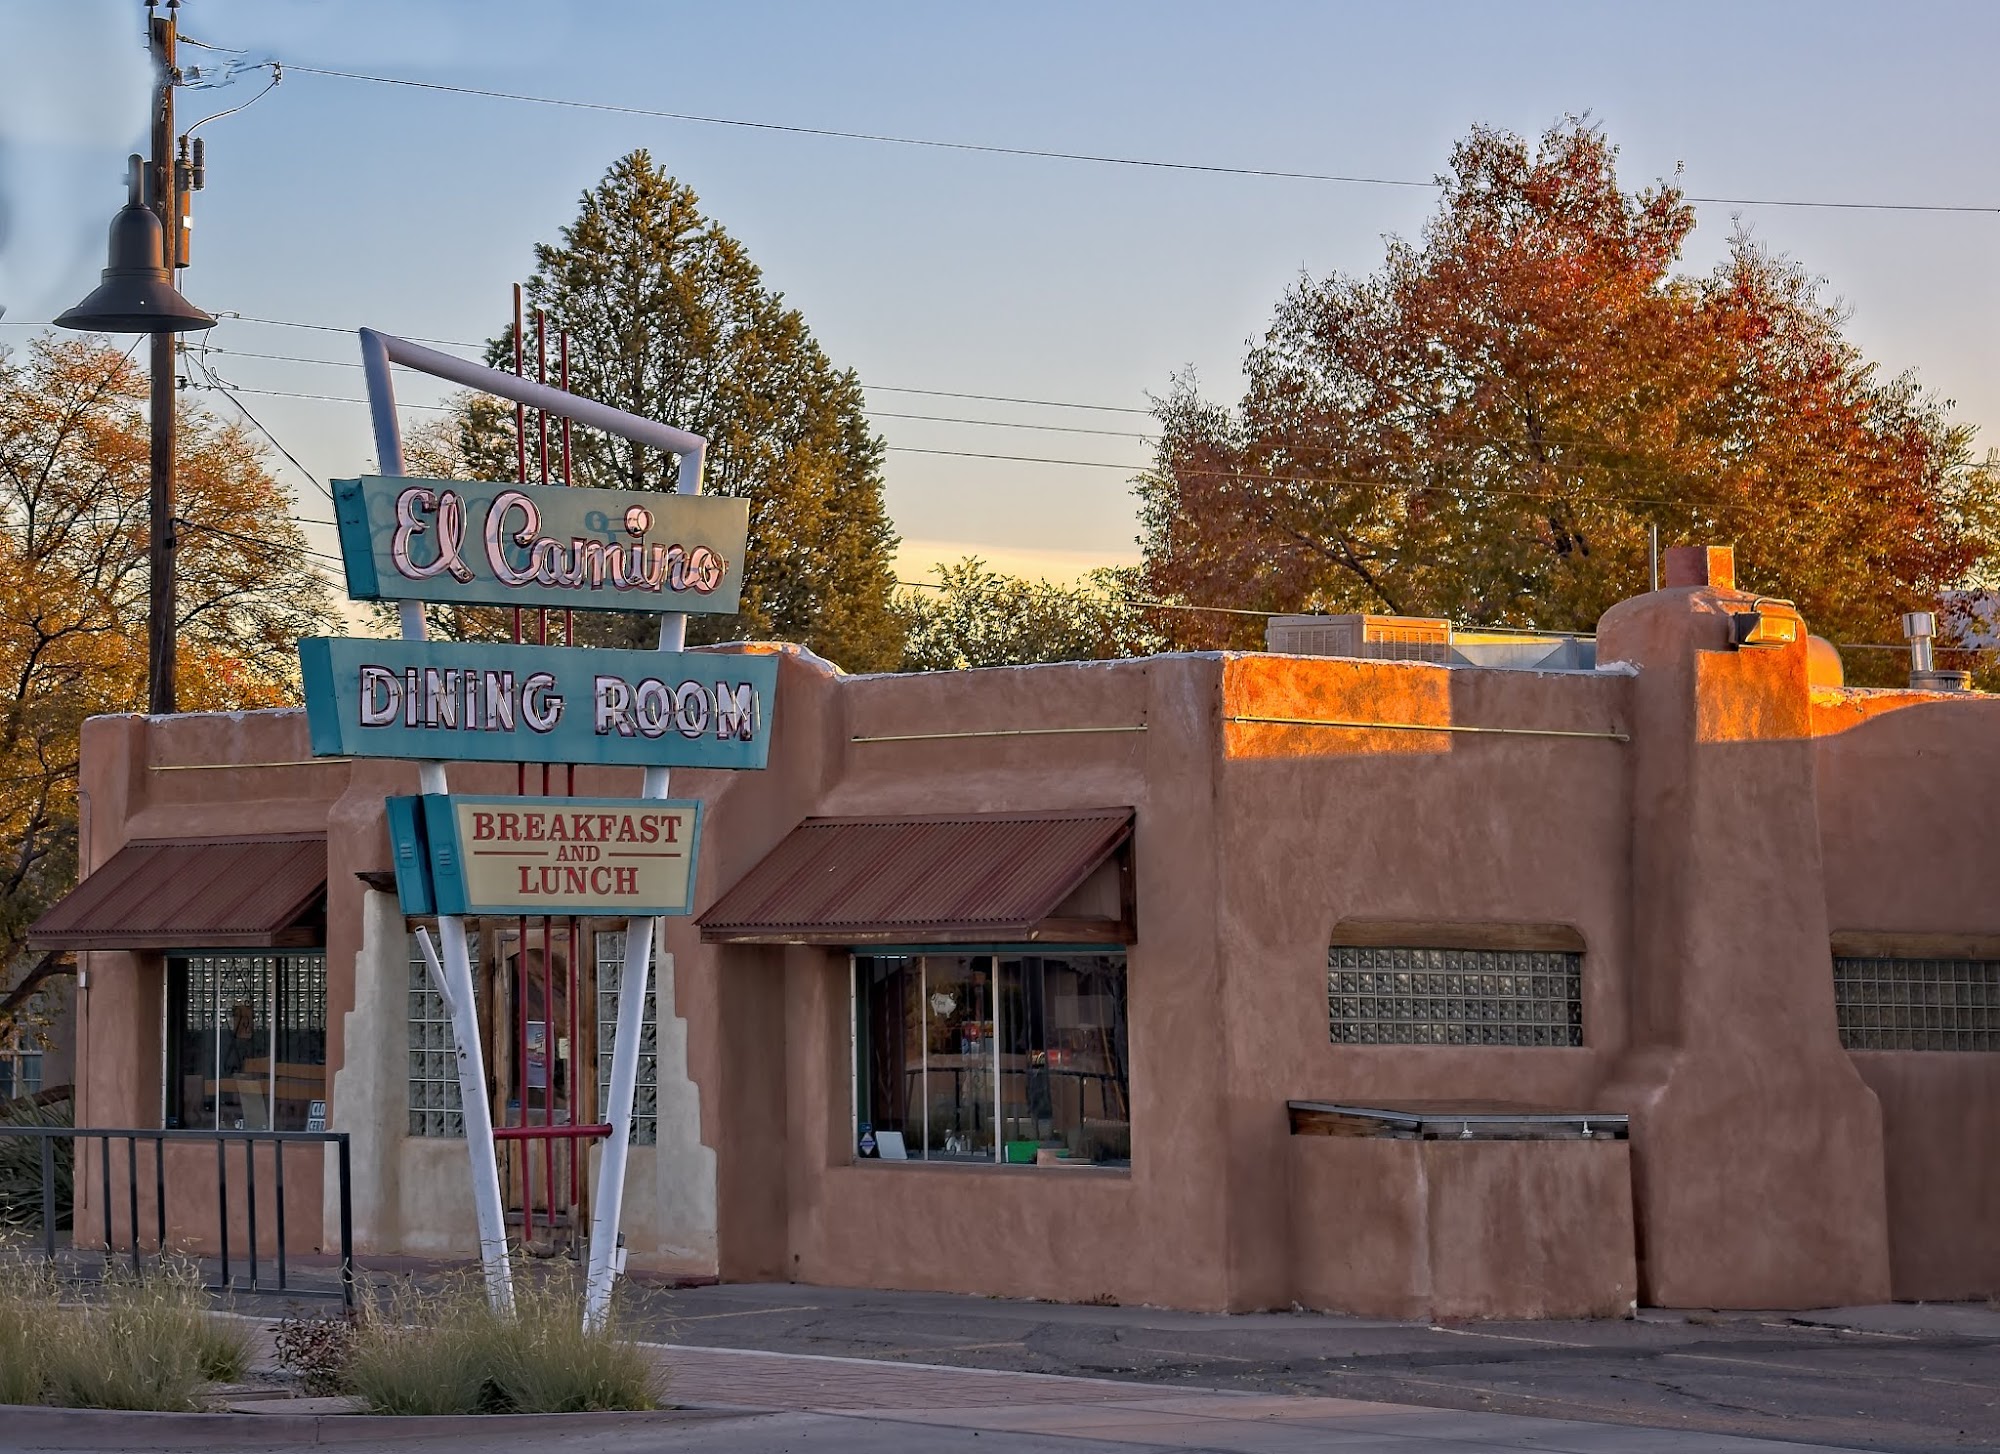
column 464, row 701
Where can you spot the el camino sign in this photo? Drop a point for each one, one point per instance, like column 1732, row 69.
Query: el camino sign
column 492, row 855
column 505, row 545
column 482, row 702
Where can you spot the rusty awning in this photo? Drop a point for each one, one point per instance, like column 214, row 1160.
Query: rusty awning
column 952, row 878
column 216, row 893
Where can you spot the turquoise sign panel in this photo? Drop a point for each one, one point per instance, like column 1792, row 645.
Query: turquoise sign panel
column 516, row 545
column 629, row 857
column 407, row 845
column 460, row 701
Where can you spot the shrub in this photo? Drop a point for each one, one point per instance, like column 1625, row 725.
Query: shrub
column 138, row 1341
column 445, row 1351
column 27, row 1314
column 21, row 1164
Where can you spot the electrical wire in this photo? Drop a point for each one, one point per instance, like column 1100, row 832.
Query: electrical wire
column 1093, row 158
column 277, row 75
column 216, row 383
column 872, row 388
column 1573, row 496
column 341, row 363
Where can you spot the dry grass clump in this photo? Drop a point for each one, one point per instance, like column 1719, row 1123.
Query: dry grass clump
column 141, row 1340
column 426, row 1350
column 27, row 1313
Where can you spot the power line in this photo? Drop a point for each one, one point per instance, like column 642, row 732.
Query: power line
column 872, row 388
column 342, row 363
column 1093, row 158
column 1242, row 475
column 217, row 384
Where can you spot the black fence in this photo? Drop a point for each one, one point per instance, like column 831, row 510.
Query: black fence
column 127, row 1168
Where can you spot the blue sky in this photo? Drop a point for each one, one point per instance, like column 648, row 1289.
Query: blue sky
column 342, row 203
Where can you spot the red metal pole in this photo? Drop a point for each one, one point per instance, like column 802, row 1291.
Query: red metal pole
column 549, row 1069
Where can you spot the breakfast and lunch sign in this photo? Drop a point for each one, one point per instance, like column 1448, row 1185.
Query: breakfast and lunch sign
column 564, row 548
column 633, row 857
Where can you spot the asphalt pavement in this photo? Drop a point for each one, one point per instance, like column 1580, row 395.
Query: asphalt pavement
column 1901, row 1378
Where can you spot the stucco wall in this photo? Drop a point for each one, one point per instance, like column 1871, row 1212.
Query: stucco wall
column 1461, row 1229
column 1908, row 790
column 1703, row 863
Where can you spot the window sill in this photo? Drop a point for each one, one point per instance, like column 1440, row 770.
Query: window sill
column 1088, row 1171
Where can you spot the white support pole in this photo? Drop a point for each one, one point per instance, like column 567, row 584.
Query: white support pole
column 452, row 976
column 455, row 989
column 378, row 351
column 608, row 1203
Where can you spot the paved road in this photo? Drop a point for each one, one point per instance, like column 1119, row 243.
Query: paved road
column 781, row 1368
column 768, row 1403
column 1901, row 1379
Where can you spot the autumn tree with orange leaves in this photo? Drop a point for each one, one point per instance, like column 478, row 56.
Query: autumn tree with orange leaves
column 1485, row 428
column 74, row 470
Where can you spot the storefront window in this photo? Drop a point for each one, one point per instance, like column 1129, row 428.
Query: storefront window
column 246, row 1041
column 1014, row 1057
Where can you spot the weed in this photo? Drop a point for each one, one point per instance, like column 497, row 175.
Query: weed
column 138, row 1341
column 27, row 1314
column 445, row 1351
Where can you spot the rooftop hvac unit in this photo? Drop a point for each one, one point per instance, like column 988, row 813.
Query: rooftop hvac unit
column 1377, row 638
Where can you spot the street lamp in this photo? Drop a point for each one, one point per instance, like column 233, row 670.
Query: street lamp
column 137, row 295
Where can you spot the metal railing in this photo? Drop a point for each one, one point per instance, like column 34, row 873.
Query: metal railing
column 105, row 1139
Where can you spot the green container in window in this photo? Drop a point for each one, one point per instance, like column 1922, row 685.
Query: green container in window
column 1022, row 1153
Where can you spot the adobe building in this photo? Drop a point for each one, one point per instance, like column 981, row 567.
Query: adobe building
column 1219, row 981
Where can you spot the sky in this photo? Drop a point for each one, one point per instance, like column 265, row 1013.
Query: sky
column 341, row 203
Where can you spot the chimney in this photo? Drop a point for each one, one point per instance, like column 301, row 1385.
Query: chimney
column 1701, row 565
column 1918, row 629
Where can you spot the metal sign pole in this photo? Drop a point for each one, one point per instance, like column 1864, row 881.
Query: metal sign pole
column 608, row 1200
column 452, row 976
column 452, row 971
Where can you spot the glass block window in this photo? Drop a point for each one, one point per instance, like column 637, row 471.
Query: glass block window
column 1454, row 997
column 1918, row 1004
column 435, row 1106
column 646, row 1097
column 246, row 1040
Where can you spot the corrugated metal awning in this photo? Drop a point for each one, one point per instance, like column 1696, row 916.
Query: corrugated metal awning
column 215, row 893
column 959, row 878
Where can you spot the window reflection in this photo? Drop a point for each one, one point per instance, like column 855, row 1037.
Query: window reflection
column 247, row 1042
column 985, row 1057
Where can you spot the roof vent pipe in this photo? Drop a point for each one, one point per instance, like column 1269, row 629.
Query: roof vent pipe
column 1918, row 628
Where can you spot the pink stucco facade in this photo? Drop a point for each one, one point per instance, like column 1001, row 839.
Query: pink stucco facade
column 1703, row 821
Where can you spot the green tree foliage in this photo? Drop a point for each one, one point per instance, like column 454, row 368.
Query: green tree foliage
column 74, row 475
column 978, row 617
column 670, row 319
column 1485, row 427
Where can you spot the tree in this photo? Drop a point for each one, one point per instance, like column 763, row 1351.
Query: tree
column 74, row 469
column 1485, row 428
column 669, row 318
column 979, row 617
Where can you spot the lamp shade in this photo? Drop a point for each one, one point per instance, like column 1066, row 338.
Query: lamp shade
column 138, row 293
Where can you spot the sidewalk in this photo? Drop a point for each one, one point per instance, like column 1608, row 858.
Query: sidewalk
column 855, row 1404
column 745, row 1402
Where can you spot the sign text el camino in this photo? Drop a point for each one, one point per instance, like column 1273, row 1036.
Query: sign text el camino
column 585, row 550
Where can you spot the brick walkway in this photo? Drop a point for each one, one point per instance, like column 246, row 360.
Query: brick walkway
column 742, row 1378
column 1041, row 1411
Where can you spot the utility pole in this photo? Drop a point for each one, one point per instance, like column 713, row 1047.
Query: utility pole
column 164, row 197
